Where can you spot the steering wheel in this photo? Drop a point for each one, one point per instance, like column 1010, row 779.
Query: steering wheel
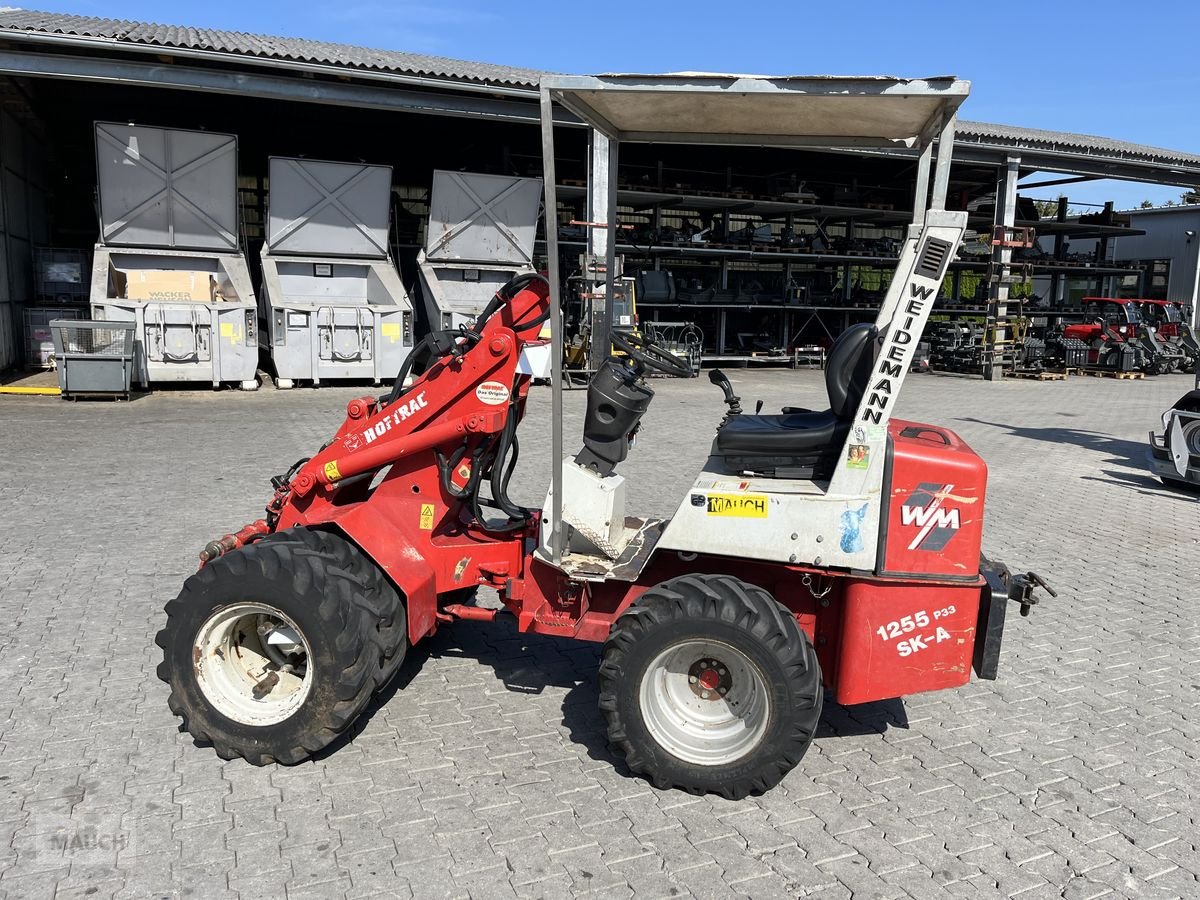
column 645, row 352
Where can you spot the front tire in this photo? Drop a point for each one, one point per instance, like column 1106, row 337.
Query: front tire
column 708, row 684
column 272, row 651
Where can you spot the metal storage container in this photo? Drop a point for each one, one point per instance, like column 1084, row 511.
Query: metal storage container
column 63, row 275
column 93, row 357
column 169, row 224
column 332, row 301
column 39, row 342
column 481, row 234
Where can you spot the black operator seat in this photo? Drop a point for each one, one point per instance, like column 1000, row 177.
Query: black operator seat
column 805, row 444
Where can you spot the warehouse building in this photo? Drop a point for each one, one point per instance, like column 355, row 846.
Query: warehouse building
column 767, row 248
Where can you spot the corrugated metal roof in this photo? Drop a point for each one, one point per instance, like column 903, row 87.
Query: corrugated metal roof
column 302, row 51
column 263, row 46
column 1066, row 142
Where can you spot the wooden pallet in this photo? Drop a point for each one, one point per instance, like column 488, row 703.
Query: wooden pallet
column 1069, row 370
column 1038, row 376
column 1113, row 373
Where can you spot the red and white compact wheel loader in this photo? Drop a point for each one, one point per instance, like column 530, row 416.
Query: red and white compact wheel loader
column 835, row 550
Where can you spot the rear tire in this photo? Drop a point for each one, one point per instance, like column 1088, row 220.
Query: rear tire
column 272, row 651
column 708, row 684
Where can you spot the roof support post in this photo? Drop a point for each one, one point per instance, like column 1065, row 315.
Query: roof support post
column 556, row 330
column 941, row 177
column 601, row 243
column 1003, row 220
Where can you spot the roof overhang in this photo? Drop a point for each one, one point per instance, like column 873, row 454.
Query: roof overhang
column 794, row 111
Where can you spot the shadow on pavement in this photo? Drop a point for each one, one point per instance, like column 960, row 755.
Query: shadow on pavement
column 531, row 663
column 1131, row 453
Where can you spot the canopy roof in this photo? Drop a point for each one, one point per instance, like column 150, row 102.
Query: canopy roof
column 701, row 107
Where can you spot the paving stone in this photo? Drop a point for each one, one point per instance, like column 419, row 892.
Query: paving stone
column 489, row 774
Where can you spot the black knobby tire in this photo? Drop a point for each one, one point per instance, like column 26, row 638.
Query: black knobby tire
column 725, row 611
column 378, row 593
column 330, row 609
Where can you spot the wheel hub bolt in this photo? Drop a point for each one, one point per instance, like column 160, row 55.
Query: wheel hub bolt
column 709, row 679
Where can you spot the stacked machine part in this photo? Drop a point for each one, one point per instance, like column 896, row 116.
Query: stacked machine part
column 169, row 257
column 955, row 346
column 332, row 301
column 480, row 236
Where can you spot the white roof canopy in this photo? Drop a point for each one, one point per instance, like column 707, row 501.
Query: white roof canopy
column 824, row 110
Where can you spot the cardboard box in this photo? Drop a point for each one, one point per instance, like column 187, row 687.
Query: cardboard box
column 165, row 285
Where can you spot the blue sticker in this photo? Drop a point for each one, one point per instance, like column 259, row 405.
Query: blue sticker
column 852, row 529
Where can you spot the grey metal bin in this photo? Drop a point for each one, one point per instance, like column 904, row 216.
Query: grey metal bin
column 480, row 236
column 93, row 357
column 170, row 258
column 332, row 301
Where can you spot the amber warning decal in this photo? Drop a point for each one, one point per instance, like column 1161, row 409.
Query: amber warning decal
column 493, row 393
column 427, row 517
column 331, row 471
column 739, row 506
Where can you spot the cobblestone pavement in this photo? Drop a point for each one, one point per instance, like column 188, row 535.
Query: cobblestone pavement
column 485, row 772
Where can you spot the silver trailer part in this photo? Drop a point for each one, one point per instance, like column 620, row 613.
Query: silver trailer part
column 212, row 341
column 332, row 301
column 168, row 203
column 480, row 236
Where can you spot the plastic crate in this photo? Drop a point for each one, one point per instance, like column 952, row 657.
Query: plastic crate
column 63, row 275
column 39, row 342
column 94, row 357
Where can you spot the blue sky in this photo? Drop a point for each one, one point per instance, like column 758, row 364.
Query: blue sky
column 1123, row 70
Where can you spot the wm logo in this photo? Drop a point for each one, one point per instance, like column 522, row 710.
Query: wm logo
column 936, row 523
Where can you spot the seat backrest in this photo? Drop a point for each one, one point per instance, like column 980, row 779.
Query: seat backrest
column 848, row 368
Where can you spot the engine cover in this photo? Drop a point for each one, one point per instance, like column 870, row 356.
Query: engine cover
column 935, row 496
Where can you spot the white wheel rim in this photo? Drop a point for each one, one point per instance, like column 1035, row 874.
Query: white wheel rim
column 251, row 663
column 705, row 702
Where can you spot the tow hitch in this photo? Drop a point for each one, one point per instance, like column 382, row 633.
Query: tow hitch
column 1021, row 588
column 1002, row 586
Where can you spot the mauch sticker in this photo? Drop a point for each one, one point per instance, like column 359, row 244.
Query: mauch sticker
column 739, row 506
column 858, row 456
column 493, row 393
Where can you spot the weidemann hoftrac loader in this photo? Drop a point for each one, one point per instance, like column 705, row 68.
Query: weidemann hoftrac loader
column 170, row 257
column 829, row 549
column 333, row 303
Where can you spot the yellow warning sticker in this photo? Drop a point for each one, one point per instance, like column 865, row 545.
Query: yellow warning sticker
column 738, row 506
column 231, row 331
column 331, row 471
column 427, row 517
column 391, row 331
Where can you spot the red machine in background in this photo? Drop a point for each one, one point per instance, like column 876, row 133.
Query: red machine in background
column 1119, row 339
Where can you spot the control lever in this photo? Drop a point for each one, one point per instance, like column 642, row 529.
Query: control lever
column 758, row 407
column 732, row 400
